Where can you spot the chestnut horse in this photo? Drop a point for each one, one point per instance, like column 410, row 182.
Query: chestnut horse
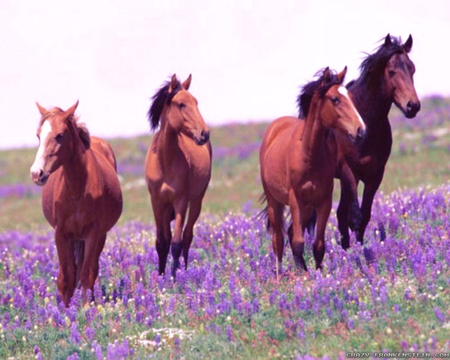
column 177, row 168
column 81, row 196
column 386, row 78
column 298, row 162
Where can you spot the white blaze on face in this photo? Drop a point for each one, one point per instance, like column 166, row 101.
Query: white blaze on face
column 344, row 92
column 39, row 161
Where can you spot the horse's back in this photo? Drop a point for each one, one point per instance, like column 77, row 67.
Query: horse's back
column 101, row 146
column 109, row 183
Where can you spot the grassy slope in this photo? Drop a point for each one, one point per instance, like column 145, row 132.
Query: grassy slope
column 420, row 156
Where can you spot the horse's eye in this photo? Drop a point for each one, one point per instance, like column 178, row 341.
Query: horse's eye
column 59, row 137
column 181, row 105
column 391, row 73
column 335, row 100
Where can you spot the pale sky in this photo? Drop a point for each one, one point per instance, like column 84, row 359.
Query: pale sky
column 248, row 58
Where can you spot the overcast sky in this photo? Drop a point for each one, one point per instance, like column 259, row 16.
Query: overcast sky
column 247, row 58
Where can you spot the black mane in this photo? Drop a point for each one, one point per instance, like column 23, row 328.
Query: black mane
column 321, row 85
column 161, row 98
column 374, row 64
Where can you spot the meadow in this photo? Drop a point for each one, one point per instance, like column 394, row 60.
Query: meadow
column 389, row 295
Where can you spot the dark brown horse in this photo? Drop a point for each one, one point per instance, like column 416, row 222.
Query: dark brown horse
column 177, row 168
column 386, row 78
column 81, row 198
column 298, row 162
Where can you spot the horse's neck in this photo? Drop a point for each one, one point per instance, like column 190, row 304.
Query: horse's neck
column 75, row 170
column 313, row 137
column 169, row 146
column 370, row 101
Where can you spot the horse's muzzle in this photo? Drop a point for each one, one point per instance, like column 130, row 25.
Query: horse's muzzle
column 203, row 138
column 412, row 108
column 360, row 133
column 39, row 177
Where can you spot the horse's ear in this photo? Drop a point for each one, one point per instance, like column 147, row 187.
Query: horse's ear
column 326, row 76
column 70, row 111
column 408, row 44
column 42, row 109
column 341, row 75
column 185, row 85
column 174, row 83
column 387, row 40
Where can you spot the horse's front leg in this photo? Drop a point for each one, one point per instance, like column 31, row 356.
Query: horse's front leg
column 180, row 207
column 67, row 268
column 370, row 190
column 323, row 213
column 296, row 234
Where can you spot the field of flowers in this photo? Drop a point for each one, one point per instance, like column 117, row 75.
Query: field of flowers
column 390, row 295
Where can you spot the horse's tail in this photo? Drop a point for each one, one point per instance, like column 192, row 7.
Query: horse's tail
column 79, row 258
column 263, row 215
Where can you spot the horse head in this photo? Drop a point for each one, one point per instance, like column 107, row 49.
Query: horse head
column 337, row 110
column 56, row 132
column 178, row 109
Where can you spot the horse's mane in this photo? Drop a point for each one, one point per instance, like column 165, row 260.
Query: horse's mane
column 374, row 64
column 161, row 98
column 321, row 85
column 81, row 128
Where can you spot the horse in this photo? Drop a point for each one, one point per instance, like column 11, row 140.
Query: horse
column 81, row 195
column 386, row 78
column 298, row 161
column 177, row 168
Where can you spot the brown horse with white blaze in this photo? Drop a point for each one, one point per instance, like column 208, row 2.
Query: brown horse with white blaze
column 298, row 161
column 386, row 78
column 81, row 196
column 177, row 168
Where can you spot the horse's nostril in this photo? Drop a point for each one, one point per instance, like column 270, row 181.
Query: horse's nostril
column 205, row 135
column 359, row 134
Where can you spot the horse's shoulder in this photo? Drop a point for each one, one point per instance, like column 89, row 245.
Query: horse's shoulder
column 155, row 143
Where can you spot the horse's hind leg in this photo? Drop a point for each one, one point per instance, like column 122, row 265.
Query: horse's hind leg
column 194, row 212
column 67, row 268
column 180, row 208
column 79, row 258
column 275, row 214
column 94, row 245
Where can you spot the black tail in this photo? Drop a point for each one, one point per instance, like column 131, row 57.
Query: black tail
column 312, row 223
